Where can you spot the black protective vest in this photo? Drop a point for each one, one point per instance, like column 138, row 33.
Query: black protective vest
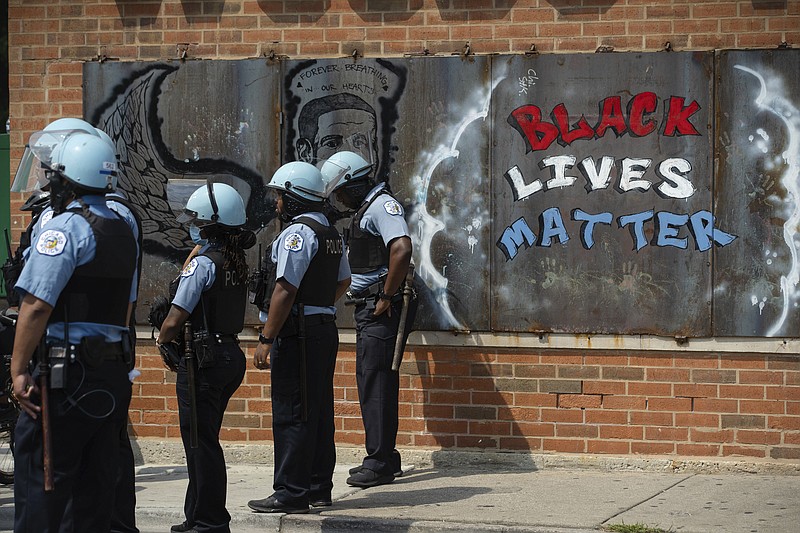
column 366, row 252
column 319, row 282
column 98, row 292
column 224, row 303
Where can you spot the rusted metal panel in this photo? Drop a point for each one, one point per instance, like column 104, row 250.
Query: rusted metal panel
column 565, row 193
column 445, row 155
column 423, row 121
column 757, row 193
column 601, row 168
column 175, row 124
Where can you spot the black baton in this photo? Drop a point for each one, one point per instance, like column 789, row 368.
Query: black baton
column 191, row 376
column 47, row 440
column 301, row 337
column 408, row 293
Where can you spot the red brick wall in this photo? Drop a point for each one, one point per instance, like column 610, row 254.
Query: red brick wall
column 560, row 400
column 556, row 400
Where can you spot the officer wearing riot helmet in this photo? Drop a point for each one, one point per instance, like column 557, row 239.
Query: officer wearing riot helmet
column 212, row 294
column 77, row 286
column 379, row 251
column 309, row 273
column 123, row 518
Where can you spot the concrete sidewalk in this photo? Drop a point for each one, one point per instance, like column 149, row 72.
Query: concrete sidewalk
column 470, row 499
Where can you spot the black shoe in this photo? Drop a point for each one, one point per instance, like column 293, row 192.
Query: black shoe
column 356, row 469
column 320, row 499
column 273, row 505
column 369, row 478
column 181, row 528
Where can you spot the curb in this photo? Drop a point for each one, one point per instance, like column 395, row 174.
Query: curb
column 170, row 451
column 328, row 524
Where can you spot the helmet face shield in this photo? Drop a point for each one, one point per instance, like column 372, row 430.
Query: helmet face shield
column 178, row 192
column 214, row 203
column 348, row 164
column 30, row 174
column 38, row 158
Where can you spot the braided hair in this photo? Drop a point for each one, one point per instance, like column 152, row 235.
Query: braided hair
column 232, row 243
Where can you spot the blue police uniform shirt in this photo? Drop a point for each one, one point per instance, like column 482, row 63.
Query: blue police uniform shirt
column 293, row 251
column 122, row 210
column 385, row 218
column 62, row 244
column 197, row 276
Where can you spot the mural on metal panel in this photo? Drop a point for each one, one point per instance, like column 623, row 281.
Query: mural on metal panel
column 413, row 118
column 759, row 192
column 342, row 105
column 586, row 204
column 445, row 158
column 170, row 138
column 603, row 207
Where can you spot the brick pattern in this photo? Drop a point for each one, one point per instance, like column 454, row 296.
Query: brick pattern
column 567, row 401
column 49, row 41
column 560, row 401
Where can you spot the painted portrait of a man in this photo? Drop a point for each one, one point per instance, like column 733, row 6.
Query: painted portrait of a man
column 337, row 122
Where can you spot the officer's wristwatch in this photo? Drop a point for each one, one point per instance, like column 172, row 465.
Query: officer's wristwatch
column 265, row 340
column 383, row 296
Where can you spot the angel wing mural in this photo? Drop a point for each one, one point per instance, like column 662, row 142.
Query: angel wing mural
column 174, row 129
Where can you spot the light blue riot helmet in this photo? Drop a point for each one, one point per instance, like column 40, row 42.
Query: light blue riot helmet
column 301, row 186
column 342, row 168
column 81, row 163
column 87, row 161
column 299, row 179
column 30, row 173
column 349, row 179
column 214, row 203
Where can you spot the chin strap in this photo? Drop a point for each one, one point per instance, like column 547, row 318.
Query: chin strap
column 61, row 192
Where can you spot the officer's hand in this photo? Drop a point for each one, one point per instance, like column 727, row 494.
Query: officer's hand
column 383, row 306
column 24, row 388
column 261, row 357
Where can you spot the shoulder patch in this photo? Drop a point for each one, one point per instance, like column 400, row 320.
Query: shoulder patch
column 293, row 242
column 51, row 242
column 45, row 218
column 189, row 269
column 393, row 207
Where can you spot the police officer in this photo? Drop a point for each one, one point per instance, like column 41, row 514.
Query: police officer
column 379, row 252
column 212, row 293
column 76, row 288
column 123, row 517
column 301, row 339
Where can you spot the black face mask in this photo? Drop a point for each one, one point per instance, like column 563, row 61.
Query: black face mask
column 293, row 206
column 61, row 191
column 353, row 194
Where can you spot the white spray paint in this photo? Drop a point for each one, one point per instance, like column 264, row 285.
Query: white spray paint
column 428, row 225
column 772, row 99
